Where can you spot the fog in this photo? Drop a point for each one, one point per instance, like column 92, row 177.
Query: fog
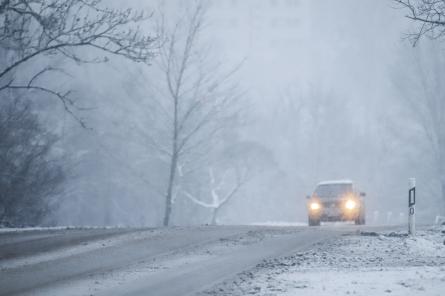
column 321, row 90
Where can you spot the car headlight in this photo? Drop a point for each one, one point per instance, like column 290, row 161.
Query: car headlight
column 315, row 206
column 351, row 204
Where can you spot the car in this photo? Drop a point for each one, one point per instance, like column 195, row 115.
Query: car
column 337, row 200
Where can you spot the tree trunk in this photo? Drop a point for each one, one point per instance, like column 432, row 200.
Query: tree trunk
column 3, row 218
column 6, row 214
column 441, row 169
column 107, row 207
column 214, row 216
column 169, row 194
column 442, row 187
column 173, row 163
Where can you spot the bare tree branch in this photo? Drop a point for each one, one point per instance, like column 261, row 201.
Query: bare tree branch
column 429, row 14
column 35, row 28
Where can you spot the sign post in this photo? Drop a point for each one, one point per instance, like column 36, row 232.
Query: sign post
column 412, row 206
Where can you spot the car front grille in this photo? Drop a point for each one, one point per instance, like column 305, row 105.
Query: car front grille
column 332, row 204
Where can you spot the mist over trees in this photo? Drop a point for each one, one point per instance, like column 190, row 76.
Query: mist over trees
column 220, row 112
column 196, row 100
column 426, row 64
column 33, row 34
column 32, row 29
column 30, row 174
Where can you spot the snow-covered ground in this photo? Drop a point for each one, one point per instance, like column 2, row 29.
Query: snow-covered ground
column 364, row 263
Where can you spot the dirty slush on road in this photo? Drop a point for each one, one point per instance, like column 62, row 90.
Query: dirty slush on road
column 362, row 263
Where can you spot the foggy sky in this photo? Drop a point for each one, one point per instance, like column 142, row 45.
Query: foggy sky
column 343, row 54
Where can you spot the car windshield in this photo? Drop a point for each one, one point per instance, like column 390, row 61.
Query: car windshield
column 332, row 190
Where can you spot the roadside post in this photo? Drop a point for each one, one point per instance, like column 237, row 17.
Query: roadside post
column 412, row 206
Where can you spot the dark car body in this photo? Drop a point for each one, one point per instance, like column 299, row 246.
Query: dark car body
column 336, row 201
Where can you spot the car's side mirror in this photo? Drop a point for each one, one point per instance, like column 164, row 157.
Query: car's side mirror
column 362, row 194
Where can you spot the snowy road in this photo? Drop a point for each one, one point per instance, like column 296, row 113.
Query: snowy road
column 176, row 261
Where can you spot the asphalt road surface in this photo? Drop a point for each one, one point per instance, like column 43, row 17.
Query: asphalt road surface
column 171, row 261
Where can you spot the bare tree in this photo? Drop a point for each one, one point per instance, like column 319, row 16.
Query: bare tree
column 229, row 169
column 220, row 191
column 194, row 100
column 427, row 99
column 37, row 28
column 430, row 16
column 30, row 175
column 423, row 92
